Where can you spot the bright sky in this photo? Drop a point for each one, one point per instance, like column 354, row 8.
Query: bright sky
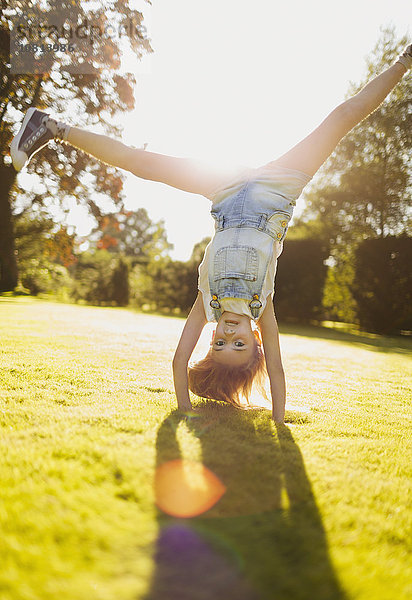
column 241, row 81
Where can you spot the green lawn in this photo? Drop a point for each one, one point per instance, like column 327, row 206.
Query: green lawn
column 317, row 510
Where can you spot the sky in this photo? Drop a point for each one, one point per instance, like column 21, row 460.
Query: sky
column 236, row 81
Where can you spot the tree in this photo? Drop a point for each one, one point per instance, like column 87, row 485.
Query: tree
column 364, row 190
column 300, row 279
column 87, row 84
column 100, row 278
column 167, row 285
column 45, row 252
column 133, row 234
column 365, row 187
column 120, row 290
column 199, row 251
column 338, row 301
column 382, row 284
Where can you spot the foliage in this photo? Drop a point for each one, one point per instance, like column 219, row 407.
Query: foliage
column 338, row 301
column 100, row 278
column 313, row 229
column 174, row 284
column 167, row 285
column 119, row 283
column 133, row 234
column 94, row 98
column 382, row 284
column 365, row 187
column 45, row 251
column 299, row 280
column 135, row 268
column 141, row 288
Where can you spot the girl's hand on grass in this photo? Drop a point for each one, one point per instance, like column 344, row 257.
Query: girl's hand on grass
column 279, row 419
column 190, row 413
column 185, row 407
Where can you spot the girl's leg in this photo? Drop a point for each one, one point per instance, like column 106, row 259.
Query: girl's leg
column 183, row 173
column 309, row 154
column 190, row 175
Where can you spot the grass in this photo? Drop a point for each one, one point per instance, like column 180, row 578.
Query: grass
column 319, row 508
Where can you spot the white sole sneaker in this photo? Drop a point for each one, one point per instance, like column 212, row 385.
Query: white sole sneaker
column 23, row 148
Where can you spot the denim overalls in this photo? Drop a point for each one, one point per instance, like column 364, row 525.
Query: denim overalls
column 249, row 221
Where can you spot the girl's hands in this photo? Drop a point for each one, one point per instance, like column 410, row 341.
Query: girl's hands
column 188, row 340
column 270, row 338
column 185, row 406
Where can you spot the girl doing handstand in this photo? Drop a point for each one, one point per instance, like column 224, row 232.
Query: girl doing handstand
column 252, row 208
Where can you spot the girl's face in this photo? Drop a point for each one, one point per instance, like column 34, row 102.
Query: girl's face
column 233, row 342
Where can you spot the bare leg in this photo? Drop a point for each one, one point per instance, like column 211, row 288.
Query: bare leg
column 309, row 154
column 183, row 173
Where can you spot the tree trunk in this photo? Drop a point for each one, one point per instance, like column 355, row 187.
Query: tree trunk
column 8, row 259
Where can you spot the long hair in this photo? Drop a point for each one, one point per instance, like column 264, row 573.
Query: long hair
column 210, row 379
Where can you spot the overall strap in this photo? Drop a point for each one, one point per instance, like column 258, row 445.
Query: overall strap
column 255, row 305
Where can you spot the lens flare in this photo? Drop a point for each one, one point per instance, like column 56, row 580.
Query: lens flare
column 186, row 488
column 191, row 563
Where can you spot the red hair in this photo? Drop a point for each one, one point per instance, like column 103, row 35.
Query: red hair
column 211, row 379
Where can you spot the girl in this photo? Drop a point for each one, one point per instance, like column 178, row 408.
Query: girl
column 252, row 209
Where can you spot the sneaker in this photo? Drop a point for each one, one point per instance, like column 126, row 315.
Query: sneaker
column 32, row 136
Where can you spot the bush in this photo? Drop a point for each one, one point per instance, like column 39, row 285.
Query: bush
column 382, row 285
column 338, row 301
column 164, row 285
column 141, row 288
column 119, row 283
column 39, row 276
column 44, row 254
column 300, row 280
column 100, row 278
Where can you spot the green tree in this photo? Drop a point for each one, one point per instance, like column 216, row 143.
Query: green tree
column 364, row 190
column 93, row 276
column 382, row 284
column 338, row 301
column 94, row 93
column 133, row 234
column 120, row 290
column 167, row 285
column 199, row 251
column 45, row 252
column 300, row 279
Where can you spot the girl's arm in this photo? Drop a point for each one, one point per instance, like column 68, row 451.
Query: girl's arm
column 309, row 154
column 270, row 337
column 188, row 340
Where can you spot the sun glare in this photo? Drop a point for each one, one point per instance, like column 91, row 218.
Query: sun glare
column 239, row 83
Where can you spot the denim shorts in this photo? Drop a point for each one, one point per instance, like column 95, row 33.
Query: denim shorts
column 264, row 201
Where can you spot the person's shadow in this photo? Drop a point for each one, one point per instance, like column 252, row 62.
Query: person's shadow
column 264, row 538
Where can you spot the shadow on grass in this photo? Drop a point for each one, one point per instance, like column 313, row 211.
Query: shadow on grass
column 380, row 343
column 264, row 538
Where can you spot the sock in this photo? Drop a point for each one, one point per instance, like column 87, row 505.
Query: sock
column 406, row 58
column 59, row 129
column 406, row 61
